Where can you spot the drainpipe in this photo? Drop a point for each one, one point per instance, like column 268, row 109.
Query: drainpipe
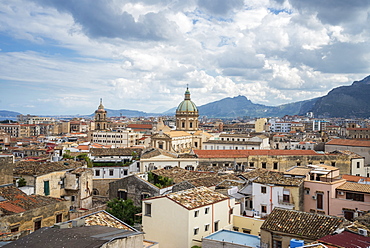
column 328, row 203
column 270, row 199
column 213, row 219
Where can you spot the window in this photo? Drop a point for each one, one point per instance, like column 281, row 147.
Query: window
column 73, row 198
column 358, row 165
column 236, row 229
column 46, row 188
column 263, row 189
column 251, row 164
column 275, row 165
column 263, row 209
column 148, row 209
column 206, row 227
column 125, row 172
column 97, row 173
column 306, row 191
column 286, row 197
column 216, row 225
column 58, row 218
column 355, row 197
column 248, row 231
column 122, row 194
column 111, row 171
column 14, row 228
column 196, row 213
column 264, row 165
column 321, row 162
column 298, row 163
column 196, row 231
column 333, row 164
column 37, row 225
column 206, row 210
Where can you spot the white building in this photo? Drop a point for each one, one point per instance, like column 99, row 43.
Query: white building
column 181, row 219
column 155, row 158
column 122, row 138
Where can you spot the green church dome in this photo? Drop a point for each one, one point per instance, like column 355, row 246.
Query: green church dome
column 187, row 104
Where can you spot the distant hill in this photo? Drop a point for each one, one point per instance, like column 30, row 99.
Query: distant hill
column 11, row 115
column 241, row 106
column 128, row 113
column 346, row 101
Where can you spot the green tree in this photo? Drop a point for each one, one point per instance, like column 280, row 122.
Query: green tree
column 124, row 210
column 22, row 182
column 84, row 156
column 159, row 181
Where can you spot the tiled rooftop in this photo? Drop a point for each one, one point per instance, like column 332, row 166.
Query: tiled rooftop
column 174, row 134
column 153, row 152
column 356, row 179
column 196, row 197
column 264, row 176
column 178, row 174
column 38, row 168
column 348, row 153
column 16, row 201
column 114, row 151
column 103, row 218
column 347, row 239
column 349, row 142
column 357, row 187
column 307, row 225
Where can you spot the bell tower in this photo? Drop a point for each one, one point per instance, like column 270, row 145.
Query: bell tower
column 100, row 117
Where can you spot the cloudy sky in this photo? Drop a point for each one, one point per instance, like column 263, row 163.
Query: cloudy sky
column 61, row 57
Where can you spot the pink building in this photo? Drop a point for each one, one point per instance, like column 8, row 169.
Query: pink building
column 333, row 196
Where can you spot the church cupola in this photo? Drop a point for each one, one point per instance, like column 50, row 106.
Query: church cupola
column 187, row 114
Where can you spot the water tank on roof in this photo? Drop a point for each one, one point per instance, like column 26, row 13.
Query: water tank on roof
column 296, row 243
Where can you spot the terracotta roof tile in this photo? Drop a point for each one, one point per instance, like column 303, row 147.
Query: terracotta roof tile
column 347, row 239
column 349, row 142
column 358, row 187
column 196, row 197
column 7, row 206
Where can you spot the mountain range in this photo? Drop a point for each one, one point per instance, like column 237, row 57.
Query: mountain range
column 345, row 101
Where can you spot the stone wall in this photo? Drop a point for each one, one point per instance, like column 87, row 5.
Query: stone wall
column 342, row 162
column 134, row 187
column 26, row 219
column 6, row 170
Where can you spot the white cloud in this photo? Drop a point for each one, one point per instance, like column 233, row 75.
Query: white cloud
column 139, row 54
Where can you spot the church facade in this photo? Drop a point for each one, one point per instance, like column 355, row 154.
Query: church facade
column 186, row 136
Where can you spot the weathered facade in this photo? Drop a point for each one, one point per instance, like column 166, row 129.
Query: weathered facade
column 20, row 212
column 278, row 160
column 132, row 187
column 6, row 169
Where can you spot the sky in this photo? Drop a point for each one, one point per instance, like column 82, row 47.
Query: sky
column 61, row 57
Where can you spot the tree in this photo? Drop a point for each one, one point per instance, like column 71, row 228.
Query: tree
column 124, row 210
column 22, row 182
column 159, row 181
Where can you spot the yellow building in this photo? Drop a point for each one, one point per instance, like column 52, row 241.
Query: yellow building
column 260, row 125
